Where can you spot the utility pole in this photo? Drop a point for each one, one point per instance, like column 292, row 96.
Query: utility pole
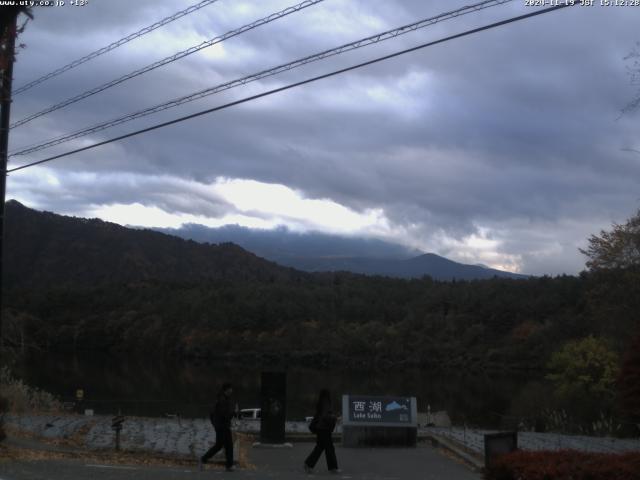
column 7, row 53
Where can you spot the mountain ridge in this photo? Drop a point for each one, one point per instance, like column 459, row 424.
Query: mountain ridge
column 340, row 254
column 47, row 248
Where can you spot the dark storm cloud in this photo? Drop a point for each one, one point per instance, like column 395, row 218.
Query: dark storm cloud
column 80, row 195
column 514, row 131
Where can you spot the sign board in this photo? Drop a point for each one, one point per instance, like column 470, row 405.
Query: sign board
column 116, row 422
column 379, row 411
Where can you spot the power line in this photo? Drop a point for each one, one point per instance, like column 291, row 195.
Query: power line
column 170, row 59
column 114, row 45
column 379, row 37
column 297, row 84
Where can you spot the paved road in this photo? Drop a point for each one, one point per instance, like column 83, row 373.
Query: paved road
column 424, row 463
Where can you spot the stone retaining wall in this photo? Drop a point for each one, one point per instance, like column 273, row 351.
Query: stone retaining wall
column 474, row 439
column 177, row 436
column 157, row 435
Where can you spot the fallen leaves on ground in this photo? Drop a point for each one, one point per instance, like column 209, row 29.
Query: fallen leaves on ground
column 13, row 453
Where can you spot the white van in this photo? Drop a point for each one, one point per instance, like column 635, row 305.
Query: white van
column 249, row 414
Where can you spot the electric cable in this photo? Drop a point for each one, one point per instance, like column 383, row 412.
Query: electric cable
column 170, row 59
column 297, row 84
column 373, row 39
column 114, row 45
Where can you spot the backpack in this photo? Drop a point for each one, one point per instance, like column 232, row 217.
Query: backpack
column 323, row 422
column 313, row 425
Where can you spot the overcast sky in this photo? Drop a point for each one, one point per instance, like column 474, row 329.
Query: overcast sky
column 505, row 148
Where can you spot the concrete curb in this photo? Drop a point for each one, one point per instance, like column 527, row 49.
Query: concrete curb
column 437, row 441
column 272, row 445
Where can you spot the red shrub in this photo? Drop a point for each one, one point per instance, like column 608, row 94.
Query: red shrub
column 565, row 465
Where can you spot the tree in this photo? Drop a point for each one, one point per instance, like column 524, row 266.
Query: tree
column 618, row 248
column 584, row 367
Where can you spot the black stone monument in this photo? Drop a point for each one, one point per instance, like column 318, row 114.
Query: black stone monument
column 496, row 444
column 273, row 407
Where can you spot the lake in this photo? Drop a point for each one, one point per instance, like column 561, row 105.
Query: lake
column 147, row 386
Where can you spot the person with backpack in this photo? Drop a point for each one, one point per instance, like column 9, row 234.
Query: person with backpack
column 220, row 418
column 323, row 424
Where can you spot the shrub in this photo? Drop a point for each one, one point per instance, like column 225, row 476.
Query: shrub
column 565, row 465
column 21, row 398
column 557, row 421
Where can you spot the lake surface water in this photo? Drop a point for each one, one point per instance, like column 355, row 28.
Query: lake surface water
column 145, row 386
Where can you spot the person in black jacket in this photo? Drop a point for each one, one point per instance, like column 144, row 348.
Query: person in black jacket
column 323, row 424
column 221, row 421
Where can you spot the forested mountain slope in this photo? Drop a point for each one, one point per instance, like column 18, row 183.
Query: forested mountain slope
column 85, row 284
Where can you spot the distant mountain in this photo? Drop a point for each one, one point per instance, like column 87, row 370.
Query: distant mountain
column 281, row 242
column 318, row 252
column 435, row 266
column 43, row 248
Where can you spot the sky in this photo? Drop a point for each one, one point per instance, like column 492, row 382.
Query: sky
column 507, row 147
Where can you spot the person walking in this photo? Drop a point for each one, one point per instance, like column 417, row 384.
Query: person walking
column 221, row 421
column 323, row 424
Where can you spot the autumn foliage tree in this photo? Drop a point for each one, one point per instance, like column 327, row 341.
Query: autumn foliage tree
column 613, row 296
column 584, row 367
column 616, row 248
column 583, row 373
